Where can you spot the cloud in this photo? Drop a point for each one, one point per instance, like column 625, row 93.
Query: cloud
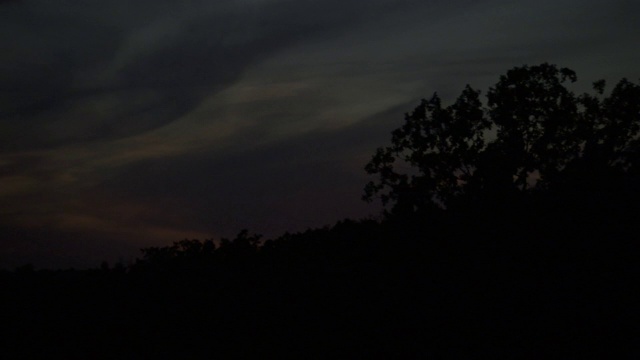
column 150, row 120
column 2, row 2
column 65, row 59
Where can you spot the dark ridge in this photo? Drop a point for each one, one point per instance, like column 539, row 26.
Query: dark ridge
column 474, row 255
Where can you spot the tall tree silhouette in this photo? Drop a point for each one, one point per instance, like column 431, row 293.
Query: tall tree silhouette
column 437, row 148
column 534, row 133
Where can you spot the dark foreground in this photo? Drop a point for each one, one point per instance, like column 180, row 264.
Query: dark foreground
column 537, row 285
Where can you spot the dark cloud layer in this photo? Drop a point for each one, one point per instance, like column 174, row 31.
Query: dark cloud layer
column 125, row 124
column 165, row 62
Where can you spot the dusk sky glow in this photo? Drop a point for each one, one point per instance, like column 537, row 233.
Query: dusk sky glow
column 129, row 124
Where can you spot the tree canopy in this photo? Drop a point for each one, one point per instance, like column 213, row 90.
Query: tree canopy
column 532, row 134
column 485, row 281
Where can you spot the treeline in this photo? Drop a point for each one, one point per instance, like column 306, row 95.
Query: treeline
column 459, row 286
column 524, row 245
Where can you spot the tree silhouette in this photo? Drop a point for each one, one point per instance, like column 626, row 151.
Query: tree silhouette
column 561, row 250
column 533, row 134
column 440, row 146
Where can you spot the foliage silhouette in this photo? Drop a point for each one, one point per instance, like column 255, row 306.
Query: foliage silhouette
column 533, row 134
column 530, row 249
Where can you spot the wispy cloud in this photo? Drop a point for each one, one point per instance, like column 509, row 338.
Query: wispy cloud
column 145, row 119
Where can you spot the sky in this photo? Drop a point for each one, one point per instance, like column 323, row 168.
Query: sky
column 128, row 124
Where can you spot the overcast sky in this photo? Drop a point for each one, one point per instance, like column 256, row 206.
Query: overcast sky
column 126, row 124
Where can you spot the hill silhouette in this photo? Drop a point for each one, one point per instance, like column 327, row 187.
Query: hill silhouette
column 510, row 231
